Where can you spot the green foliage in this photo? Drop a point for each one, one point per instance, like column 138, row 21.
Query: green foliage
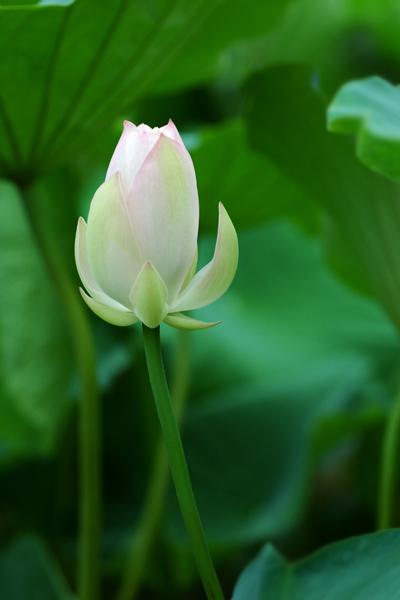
column 289, row 395
column 27, row 570
column 365, row 206
column 370, row 110
column 248, row 198
column 36, row 361
column 305, row 35
column 358, row 568
column 80, row 66
column 251, row 440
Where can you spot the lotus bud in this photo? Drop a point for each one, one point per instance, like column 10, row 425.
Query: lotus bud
column 137, row 254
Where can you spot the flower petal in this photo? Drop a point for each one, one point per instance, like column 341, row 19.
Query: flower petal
column 81, row 259
column 215, row 278
column 171, row 131
column 149, row 296
column 117, row 159
column 85, row 273
column 111, row 315
column 190, row 274
column 132, row 149
column 164, row 209
column 180, row 321
column 112, row 251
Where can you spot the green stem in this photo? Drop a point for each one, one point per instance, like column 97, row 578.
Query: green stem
column 389, row 466
column 158, row 484
column 178, row 465
column 89, row 430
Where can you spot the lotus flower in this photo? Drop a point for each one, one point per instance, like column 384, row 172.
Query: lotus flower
column 137, row 255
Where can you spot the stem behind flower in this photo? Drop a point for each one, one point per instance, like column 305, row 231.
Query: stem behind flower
column 389, row 466
column 89, row 431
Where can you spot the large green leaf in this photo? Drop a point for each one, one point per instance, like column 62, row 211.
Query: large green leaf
column 370, row 109
column 286, row 109
column 361, row 568
column 293, row 348
column 35, row 352
column 67, row 72
column 29, row 572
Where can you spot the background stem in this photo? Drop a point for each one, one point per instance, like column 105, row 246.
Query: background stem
column 178, row 465
column 152, row 511
column 89, row 428
column 389, row 466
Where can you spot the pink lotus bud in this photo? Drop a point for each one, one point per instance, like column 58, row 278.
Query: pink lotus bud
column 137, row 255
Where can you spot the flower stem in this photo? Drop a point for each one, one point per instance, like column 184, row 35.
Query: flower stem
column 157, row 488
column 89, row 426
column 178, row 465
column 389, row 466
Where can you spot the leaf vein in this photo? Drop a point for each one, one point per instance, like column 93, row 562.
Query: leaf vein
column 38, row 133
column 94, row 65
column 198, row 16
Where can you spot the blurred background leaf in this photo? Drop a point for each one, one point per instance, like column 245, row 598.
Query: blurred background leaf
column 294, row 348
column 370, row 110
column 28, row 571
column 36, row 359
column 365, row 206
column 251, row 188
column 361, row 567
column 306, row 34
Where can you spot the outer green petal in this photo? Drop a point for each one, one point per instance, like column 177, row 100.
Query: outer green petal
column 190, row 274
column 85, row 272
column 180, row 321
column 112, row 251
column 148, row 296
column 215, row 278
column 81, row 259
column 111, row 315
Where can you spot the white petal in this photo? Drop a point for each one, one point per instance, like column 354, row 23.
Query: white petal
column 180, row 321
column 132, row 149
column 149, row 296
column 117, row 159
column 171, row 131
column 215, row 278
column 113, row 255
column 144, row 127
column 111, row 315
column 164, row 210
